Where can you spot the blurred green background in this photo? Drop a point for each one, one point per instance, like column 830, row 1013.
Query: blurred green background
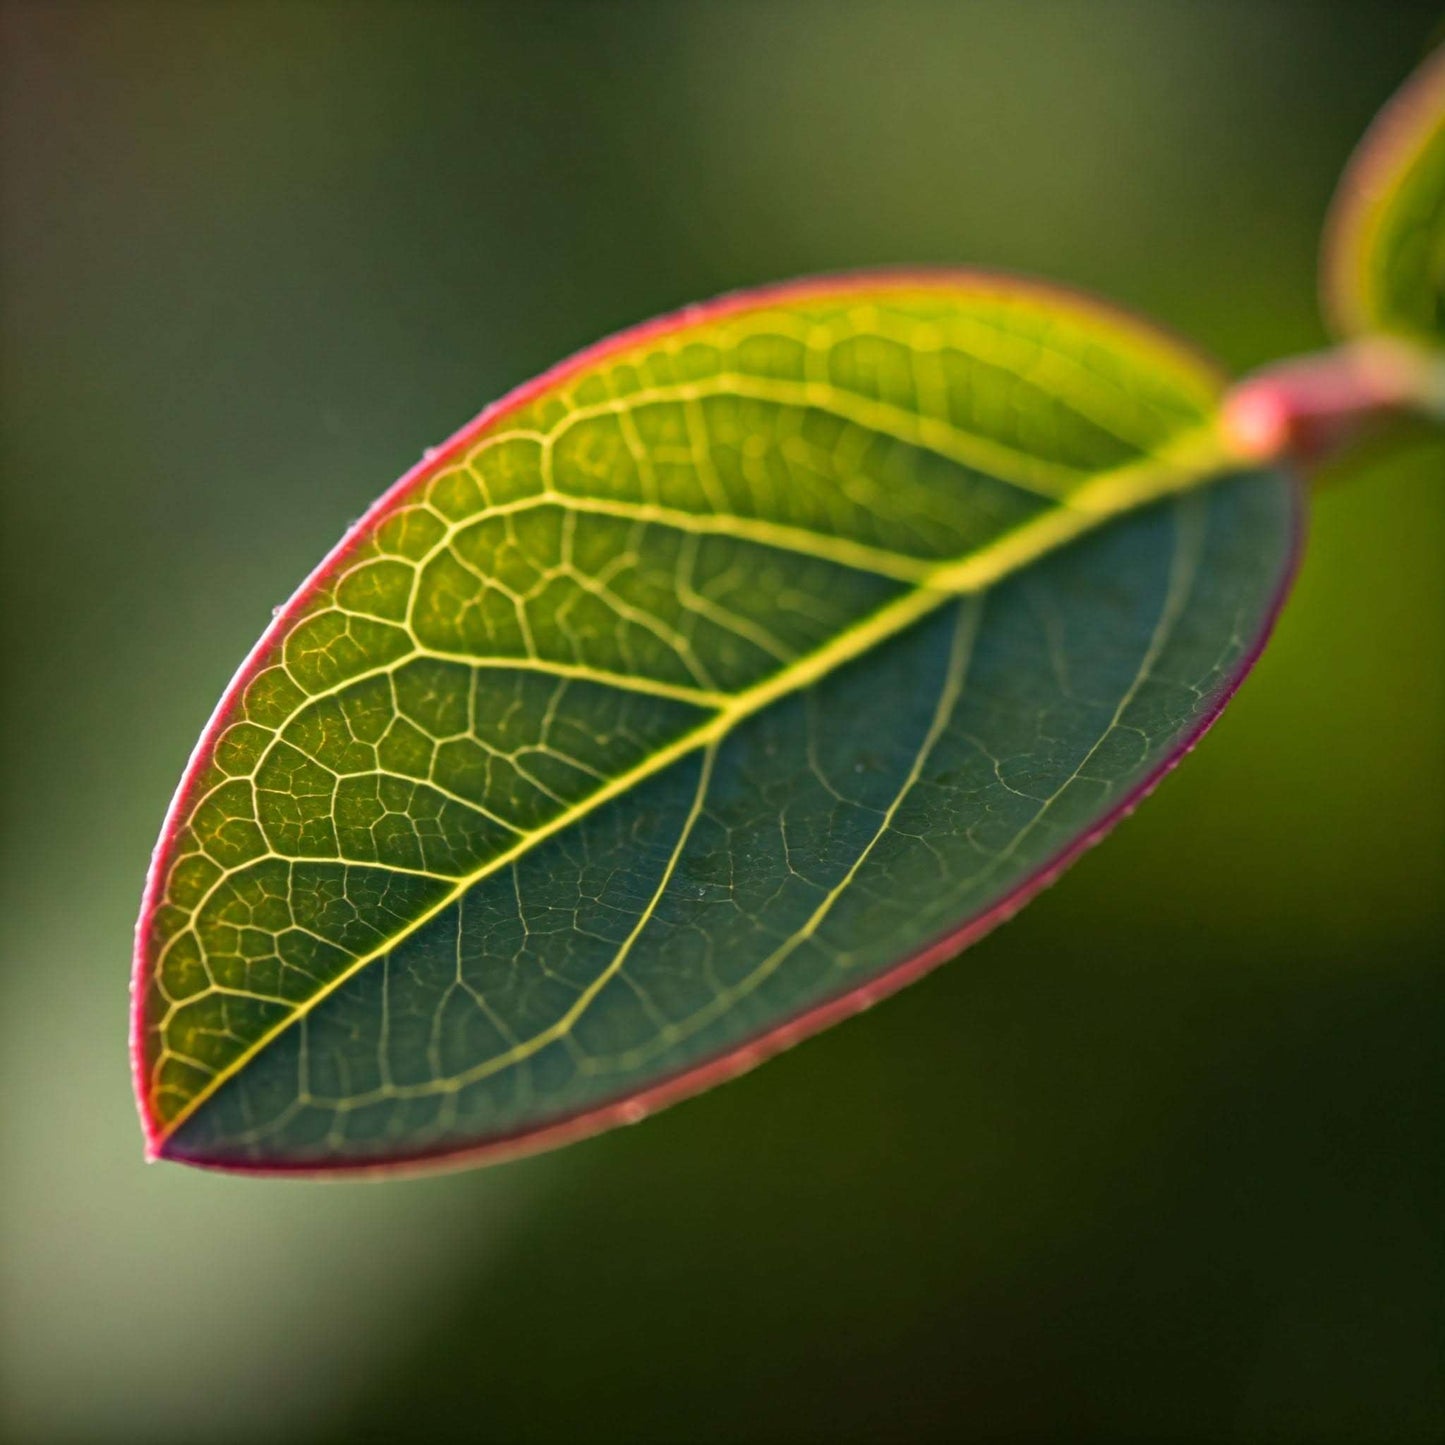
column 1161, row 1160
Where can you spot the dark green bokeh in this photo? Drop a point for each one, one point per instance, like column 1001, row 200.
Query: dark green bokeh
column 1161, row 1159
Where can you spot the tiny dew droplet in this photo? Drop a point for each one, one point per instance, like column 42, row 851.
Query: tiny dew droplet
column 632, row 1112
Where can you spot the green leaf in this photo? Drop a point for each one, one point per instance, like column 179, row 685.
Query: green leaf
column 692, row 697
column 1383, row 265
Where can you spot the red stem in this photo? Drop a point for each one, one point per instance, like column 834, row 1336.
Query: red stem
column 1310, row 408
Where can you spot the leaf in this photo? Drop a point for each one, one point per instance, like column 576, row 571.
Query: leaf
column 1383, row 266
column 694, row 696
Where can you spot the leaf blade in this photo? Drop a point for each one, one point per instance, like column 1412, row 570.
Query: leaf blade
column 742, row 678
column 1381, row 260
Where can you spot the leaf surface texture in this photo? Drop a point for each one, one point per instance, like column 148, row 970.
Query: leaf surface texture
column 694, row 695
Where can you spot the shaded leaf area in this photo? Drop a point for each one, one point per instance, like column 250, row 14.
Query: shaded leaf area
column 701, row 688
column 1386, row 255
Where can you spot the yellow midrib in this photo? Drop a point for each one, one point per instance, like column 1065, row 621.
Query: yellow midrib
column 1189, row 459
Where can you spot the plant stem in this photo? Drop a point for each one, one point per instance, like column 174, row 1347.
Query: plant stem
column 1310, row 408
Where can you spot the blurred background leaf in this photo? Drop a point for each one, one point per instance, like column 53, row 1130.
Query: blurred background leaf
column 1118, row 1173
